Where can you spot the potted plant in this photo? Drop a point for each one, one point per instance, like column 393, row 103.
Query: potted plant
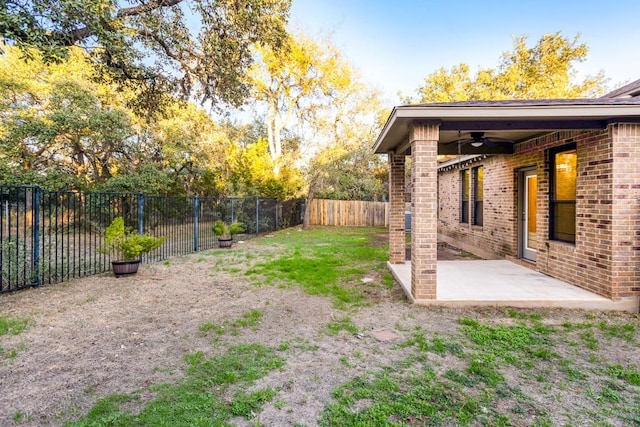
column 125, row 246
column 226, row 231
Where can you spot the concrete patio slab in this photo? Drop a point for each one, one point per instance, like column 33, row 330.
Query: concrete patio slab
column 503, row 283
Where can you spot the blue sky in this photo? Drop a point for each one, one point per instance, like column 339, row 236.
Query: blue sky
column 395, row 44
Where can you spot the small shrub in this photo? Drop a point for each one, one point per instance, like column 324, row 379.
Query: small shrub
column 125, row 244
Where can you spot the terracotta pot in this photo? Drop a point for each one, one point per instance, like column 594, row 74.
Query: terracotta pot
column 125, row 268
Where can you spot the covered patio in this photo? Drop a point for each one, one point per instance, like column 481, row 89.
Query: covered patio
column 522, row 133
column 504, row 283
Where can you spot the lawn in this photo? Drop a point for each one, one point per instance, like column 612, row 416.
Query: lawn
column 303, row 328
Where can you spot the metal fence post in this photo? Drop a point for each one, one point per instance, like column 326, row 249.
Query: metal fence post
column 35, row 250
column 196, row 209
column 232, row 219
column 257, row 216
column 140, row 213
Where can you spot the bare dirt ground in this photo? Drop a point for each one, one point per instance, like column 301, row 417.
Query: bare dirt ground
column 92, row 337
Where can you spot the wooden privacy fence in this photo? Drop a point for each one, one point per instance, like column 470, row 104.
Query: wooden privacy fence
column 354, row 213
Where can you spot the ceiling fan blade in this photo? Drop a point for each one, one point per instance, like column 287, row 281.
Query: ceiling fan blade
column 461, row 141
column 497, row 139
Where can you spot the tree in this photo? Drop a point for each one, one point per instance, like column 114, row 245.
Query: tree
column 62, row 129
column 52, row 119
column 192, row 47
column 192, row 148
column 344, row 165
column 359, row 174
column 545, row 70
column 253, row 175
column 295, row 84
column 145, row 178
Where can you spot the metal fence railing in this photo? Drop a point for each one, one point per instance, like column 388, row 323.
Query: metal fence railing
column 51, row 236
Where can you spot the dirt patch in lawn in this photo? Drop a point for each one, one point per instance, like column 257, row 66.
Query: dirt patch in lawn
column 96, row 336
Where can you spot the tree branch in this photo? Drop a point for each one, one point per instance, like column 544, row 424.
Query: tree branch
column 80, row 34
column 143, row 8
column 165, row 47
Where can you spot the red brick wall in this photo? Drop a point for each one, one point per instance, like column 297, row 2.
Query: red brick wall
column 397, row 253
column 424, row 235
column 626, row 210
column 605, row 258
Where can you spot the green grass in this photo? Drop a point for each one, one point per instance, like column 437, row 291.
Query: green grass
column 12, row 326
column 322, row 262
column 436, row 344
column 249, row 319
column 626, row 331
column 199, row 399
column 629, row 374
column 394, row 397
column 486, row 367
column 473, row 377
column 510, row 342
column 344, row 324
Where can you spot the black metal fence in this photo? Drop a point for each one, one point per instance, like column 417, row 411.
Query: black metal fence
column 50, row 236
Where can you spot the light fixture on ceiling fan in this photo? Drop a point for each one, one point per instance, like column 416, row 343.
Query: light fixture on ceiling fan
column 477, row 139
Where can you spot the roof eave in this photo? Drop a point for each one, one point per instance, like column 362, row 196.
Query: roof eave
column 402, row 115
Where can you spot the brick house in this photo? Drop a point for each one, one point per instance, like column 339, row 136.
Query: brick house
column 552, row 184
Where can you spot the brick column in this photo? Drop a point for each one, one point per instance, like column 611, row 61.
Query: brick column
column 424, row 197
column 396, row 209
column 625, row 275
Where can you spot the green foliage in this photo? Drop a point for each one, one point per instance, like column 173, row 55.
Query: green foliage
column 311, row 85
column 153, row 46
column 253, row 172
column 54, row 180
column 484, row 367
column 206, row 327
column 147, row 178
column 590, row 340
column 357, row 174
column 224, row 230
column 250, row 318
column 125, row 244
column 478, row 383
column 200, row 398
column 57, row 122
column 62, row 130
column 437, row 345
column 545, row 70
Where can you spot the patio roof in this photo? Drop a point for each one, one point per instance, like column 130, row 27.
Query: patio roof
column 517, row 120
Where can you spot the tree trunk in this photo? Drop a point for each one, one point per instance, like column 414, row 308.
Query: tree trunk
column 307, row 210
